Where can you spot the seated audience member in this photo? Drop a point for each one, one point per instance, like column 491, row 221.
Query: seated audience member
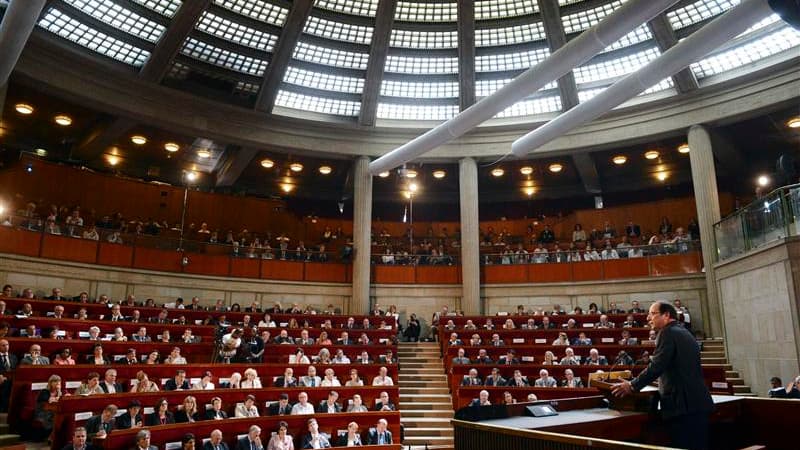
column 119, row 335
column 205, row 383
column 384, row 404
column 330, row 405
column 509, row 325
column 582, row 339
column 130, row 358
column 382, row 379
column 613, row 309
column 380, row 435
column 97, row 357
column 354, row 379
column 496, row 341
column 323, row 339
column 630, row 322
column 34, row 357
column 246, row 409
column 188, row 413
column 250, row 380
column 330, row 380
column 160, row 415
column 299, row 357
column 561, row 339
column 518, row 380
column 215, row 441
column 545, row 380
column 91, row 386
column 482, row 400
column 644, row 359
column 461, row 359
column 472, row 379
column 570, row 380
column 141, row 335
column 604, row 322
column 550, row 359
column 234, row 382
column 483, row 358
column 508, row 399
column 27, row 310
column 569, row 358
column 280, row 408
column 323, row 357
column 216, row 412
column 188, row 338
column 623, row 359
column 311, row 380
column 79, row 441
column 100, row 425
column 495, row 379
column 489, row 325
column 595, row 359
column 116, row 314
column 94, row 334
column 509, row 358
column 252, row 441
column 302, row 406
column 529, row 325
column 340, row 358
column 132, row 418
column 164, row 337
column 31, row 332
column 364, row 358
column 532, row 397
column 626, row 339
column 314, row 439
column 547, row 324
column 175, row 357
column 475, row 340
column 287, row 379
column 143, row 441
column 454, row 340
column 51, row 394
column 144, row 384
column 683, row 314
column 635, row 308
column 188, row 440
column 357, row 405
column 281, row 439
column 304, row 338
column 109, row 384
column 351, row 438
column 178, row 382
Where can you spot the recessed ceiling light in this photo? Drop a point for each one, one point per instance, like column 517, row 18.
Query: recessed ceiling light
column 661, row 176
column 652, row 154
column 24, row 108
column 113, row 160
column 620, row 159
column 138, row 139
column 325, row 170
column 498, row 172
column 41, row 152
column 763, row 180
column 439, row 174
column 63, row 120
column 683, row 148
column 296, row 167
column 384, row 174
column 527, row 170
column 171, row 147
column 267, row 163
column 204, row 153
column 191, row 175
column 286, row 187
column 411, row 173
column 529, row 191
column 555, row 168
column 413, row 187
column 794, row 122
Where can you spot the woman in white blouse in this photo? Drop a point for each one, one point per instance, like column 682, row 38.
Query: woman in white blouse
column 266, row 322
column 251, row 380
column 330, row 379
column 247, row 409
column 281, row 440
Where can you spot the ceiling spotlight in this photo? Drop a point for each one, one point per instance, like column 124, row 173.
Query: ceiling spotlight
column 661, row 176
column 286, row 187
column 407, row 194
column 763, row 180
column 683, row 148
column 204, row 153
column 296, row 167
column 113, row 160
column 794, row 122
column 384, row 174
column 24, row 108
column 652, row 154
column 413, row 187
column 620, row 159
column 498, row 172
column 527, row 170
column 138, row 139
column 411, row 173
column 171, row 147
column 267, row 163
column 191, row 175
column 40, row 152
column 63, row 120
column 529, row 191
column 555, row 168
column 439, row 174
column 325, row 170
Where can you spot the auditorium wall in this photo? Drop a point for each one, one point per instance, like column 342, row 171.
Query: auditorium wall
column 760, row 295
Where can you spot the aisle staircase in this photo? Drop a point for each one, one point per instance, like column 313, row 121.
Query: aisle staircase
column 425, row 403
column 713, row 354
column 7, row 439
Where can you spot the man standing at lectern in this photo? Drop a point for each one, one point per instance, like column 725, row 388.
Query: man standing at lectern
column 685, row 401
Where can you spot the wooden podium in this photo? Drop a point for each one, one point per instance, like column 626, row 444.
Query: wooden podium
column 644, row 401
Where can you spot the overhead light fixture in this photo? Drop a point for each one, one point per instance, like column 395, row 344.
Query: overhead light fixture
column 651, row 154
column 384, row 174
column 171, row 147
column 325, row 170
column 63, row 120
column 296, row 167
column 794, row 122
column 413, row 187
column 439, row 174
column 498, row 172
column 204, row 153
column 683, row 148
column 286, row 187
column 24, row 108
column 555, row 168
column 41, row 152
column 138, row 139
column 191, row 175
column 407, row 194
column 619, row 159
column 113, row 160
column 661, row 176
column 267, row 163
column 529, row 191
column 411, row 173
column 527, row 170
column 763, row 180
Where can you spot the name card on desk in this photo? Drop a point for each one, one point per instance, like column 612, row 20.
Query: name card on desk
column 383, row 340
column 38, row 386
column 172, row 445
column 194, row 380
column 719, row 385
column 540, row 341
column 283, row 324
column 120, row 412
column 83, row 416
column 607, row 340
column 527, row 359
column 149, row 410
column 518, row 340
column 587, row 325
column 502, row 313
column 72, row 384
column 198, row 322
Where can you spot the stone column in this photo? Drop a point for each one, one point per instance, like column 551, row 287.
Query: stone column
column 470, row 252
column 706, row 197
column 362, row 227
column 18, row 22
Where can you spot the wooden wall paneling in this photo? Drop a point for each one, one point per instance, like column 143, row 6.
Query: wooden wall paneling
column 20, row 242
column 505, row 273
column 587, row 271
column 156, row 259
column 438, row 274
column 625, row 268
column 549, row 273
column 115, row 255
column 202, row 264
column 677, row 264
column 69, row 249
column 281, row 270
column 394, row 275
column 245, row 268
column 325, row 272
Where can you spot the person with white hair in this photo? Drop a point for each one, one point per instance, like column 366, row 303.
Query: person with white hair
column 252, row 441
column 545, row 380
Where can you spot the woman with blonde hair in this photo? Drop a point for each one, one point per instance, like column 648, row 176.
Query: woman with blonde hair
column 250, row 380
column 143, row 383
column 49, row 395
column 188, row 414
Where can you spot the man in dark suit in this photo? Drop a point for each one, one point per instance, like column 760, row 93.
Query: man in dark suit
column 133, row 416
column 252, row 441
column 109, row 384
column 344, row 339
column 472, row 379
column 685, row 401
column 216, row 412
column 330, row 405
column 178, row 382
column 280, row 408
column 495, row 379
column 79, row 441
column 8, row 362
column 101, row 424
column 380, row 435
column 215, row 442
column 287, row 379
column 384, row 404
column 314, row 439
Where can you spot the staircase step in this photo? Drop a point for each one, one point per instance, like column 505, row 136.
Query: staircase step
column 404, row 390
column 411, row 414
column 429, row 440
column 731, row 374
column 3, row 417
column 735, row 381
column 704, row 360
column 421, row 383
column 744, row 394
column 9, row 439
column 422, row 376
column 432, row 405
column 420, row 432
column 4, row 428
column 712, row 354
column 741, row 389
column 434, row 422
column 425, row 367
column 424, row 398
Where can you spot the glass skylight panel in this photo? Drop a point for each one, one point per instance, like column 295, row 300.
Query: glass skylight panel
column 498, row 9
column 392, row 88
column 68, row 28
column 323, row 81
column 485, row 88
column 338, row 30
column 662, row 85
column 763, row 23
column 223, row 58
column 410, row 11
column 530, row 107
column 330, row 56
column 120, row 18
column 616, row 67
column 406, row 64
column 587, row 94
column 243, row 87
column 164, row 7
column 528, row 32
column 236, row 32
column 781, row 40
column 356, row 7
column 423, row 39
column 698, row 11
column 581, row 20
column 289, row 99
column 416, row 112
column 257, row 9
column 510, row 61
column 568, row 2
